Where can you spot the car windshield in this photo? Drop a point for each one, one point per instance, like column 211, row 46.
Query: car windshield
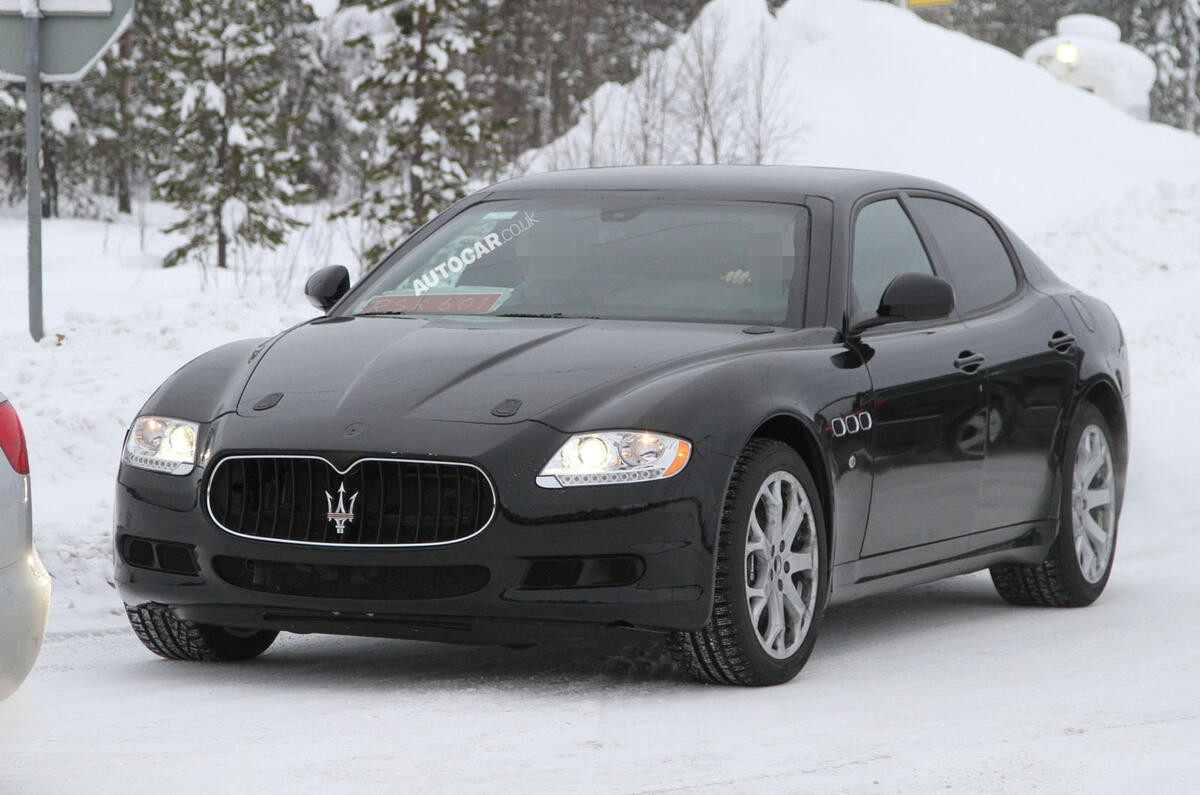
column 615, row 255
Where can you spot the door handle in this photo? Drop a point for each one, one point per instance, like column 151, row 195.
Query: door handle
column 969, row 362
column 1062, row 341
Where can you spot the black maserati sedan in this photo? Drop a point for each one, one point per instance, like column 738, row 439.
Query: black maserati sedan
column 700, row 401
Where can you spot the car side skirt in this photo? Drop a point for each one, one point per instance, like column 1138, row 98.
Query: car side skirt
column 1025, row 543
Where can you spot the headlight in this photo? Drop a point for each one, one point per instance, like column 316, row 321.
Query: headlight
column 603, row 457
column 162, row 444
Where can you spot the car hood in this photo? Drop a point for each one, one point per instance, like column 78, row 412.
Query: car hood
column 455, row 369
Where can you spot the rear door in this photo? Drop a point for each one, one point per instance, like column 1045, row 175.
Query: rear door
column 1030, row 369
column 926, row 405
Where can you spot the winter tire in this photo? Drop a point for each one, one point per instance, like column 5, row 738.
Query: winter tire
column 1080, row 560
column 772, row 575
column 167, row 635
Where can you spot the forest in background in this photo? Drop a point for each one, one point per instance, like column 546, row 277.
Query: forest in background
column 386, row 111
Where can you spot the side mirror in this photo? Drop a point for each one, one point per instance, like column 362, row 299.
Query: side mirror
column 326, row 287
column 912, row 296
column 917, row 296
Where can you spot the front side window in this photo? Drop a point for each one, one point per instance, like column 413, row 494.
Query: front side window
column 978, row 263
column 885, row 246
column 608, row 255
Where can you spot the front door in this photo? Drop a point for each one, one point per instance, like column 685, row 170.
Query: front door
column 926, row 409
column 930, row 436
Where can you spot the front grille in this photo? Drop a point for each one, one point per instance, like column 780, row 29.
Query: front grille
column 376, row 502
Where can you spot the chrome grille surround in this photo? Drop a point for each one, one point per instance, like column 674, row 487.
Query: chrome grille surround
column 317, row 504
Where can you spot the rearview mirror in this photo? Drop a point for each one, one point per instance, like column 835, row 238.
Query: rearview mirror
column 327, row 286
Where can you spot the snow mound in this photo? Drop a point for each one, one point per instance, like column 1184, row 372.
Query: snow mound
column 1088, row 26
column 868, row 85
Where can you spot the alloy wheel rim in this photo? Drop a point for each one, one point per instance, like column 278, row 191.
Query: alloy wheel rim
column 1093, row 504
column 781, row 565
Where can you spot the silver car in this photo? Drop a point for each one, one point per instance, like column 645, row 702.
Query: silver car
column 24, row 583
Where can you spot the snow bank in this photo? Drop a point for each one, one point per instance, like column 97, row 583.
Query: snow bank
column 116, row 326
column 869, row 85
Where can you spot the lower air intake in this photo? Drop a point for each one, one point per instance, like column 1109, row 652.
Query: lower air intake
column 351, row 582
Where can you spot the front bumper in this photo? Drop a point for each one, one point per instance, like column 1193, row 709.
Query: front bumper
column 643, row 551
column 24, row 601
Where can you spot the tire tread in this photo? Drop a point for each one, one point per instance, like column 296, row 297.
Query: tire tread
column 174, row 638
column 712, row 655
column 1050, row 583
column 1043, row 585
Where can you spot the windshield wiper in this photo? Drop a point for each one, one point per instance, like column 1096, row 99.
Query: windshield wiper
column 522, row 314
column 381, row 312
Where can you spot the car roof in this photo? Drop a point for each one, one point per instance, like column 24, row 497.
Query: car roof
column 838, row 184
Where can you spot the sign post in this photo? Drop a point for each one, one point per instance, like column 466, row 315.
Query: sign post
column 33, row 165
column 54, row 41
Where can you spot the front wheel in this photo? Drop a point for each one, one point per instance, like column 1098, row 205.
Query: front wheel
column 1080, row 560
column 772, row 575
column 174, row 638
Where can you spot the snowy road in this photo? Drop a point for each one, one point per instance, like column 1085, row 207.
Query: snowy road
column 934, row 687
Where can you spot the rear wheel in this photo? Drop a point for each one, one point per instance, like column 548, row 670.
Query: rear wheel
column 167, row 635
column 772, row 575
column 1080, row 561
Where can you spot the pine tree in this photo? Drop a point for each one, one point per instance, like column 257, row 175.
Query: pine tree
column 230, row 173
column 313, row 112
column 549, row 57
column 88, row 138
column 125, row 102
column 1166, row 30
column 416, row 110
column 66, row 169
column 63, row 144
column 1169, row 32
column 12, row 143
column 112, row 113
column 1016, row 24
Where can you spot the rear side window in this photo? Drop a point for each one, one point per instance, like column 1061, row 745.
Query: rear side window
column 979, row 266
column 885, row 246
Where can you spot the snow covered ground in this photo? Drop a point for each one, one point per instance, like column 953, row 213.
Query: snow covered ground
column 116, row 326
column 942, row 686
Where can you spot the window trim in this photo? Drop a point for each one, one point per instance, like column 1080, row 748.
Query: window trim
column 997, row 229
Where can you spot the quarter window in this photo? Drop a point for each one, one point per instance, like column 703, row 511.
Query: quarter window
column 885, row 246
column 979, row 266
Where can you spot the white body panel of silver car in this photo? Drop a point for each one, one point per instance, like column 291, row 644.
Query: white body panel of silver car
column 24, row 583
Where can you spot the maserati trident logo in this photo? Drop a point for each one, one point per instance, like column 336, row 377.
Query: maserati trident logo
column 341, row 514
